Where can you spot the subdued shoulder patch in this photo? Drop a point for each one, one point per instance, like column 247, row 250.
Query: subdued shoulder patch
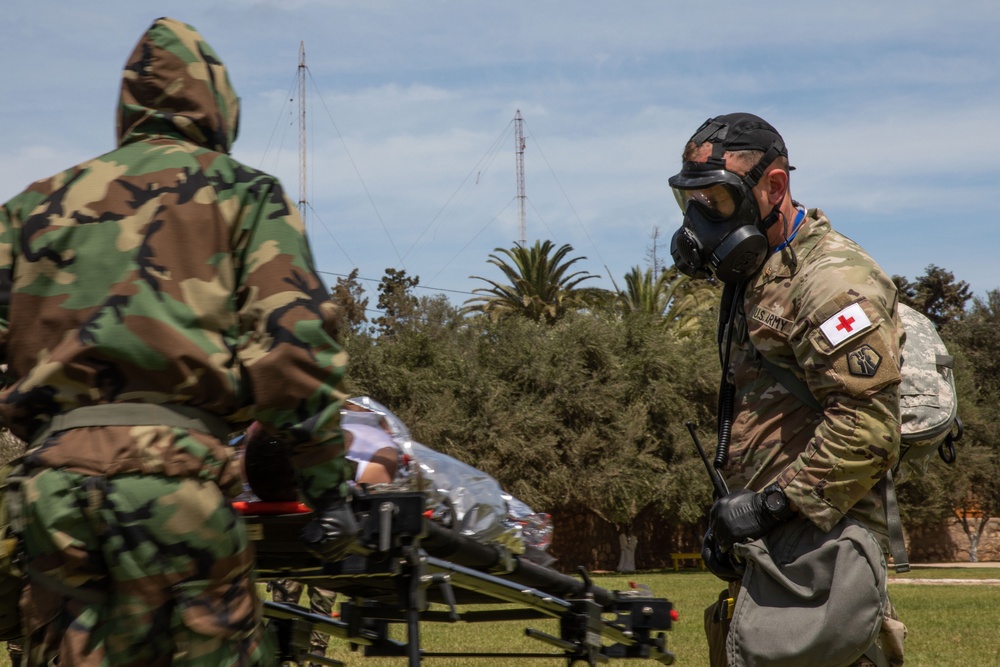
column 770, row 320
column 864, row 361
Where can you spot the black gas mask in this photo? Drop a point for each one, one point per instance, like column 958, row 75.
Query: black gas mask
column 723, row 232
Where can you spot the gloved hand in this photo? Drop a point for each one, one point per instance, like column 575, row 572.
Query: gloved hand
column 719, row 563
column 743, row 514
column 332, row 530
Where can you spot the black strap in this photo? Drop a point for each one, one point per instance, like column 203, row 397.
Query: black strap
column 729, row 310
column 897, row 545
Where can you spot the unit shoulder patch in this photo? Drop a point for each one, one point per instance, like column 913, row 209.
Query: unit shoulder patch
column 863, row 361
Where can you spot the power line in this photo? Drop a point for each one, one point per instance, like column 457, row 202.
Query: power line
column 488, row 156
column 267, row 148
column 332, row 236
column 575, row 214
column 475, row 236
column 357, row 171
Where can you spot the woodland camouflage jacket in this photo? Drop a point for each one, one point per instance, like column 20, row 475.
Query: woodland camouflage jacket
column 829, row 316
column 167, row 272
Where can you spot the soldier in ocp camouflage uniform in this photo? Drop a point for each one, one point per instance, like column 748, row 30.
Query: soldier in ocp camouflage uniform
column 153, row 300
column 811, row 303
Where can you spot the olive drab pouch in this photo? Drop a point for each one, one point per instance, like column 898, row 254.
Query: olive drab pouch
column 12, row 576
column 808, row 597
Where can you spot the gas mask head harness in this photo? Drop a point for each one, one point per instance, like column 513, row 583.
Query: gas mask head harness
column 723, row 232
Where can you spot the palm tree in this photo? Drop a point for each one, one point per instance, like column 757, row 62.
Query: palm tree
column 671, row 295
column 540, row 285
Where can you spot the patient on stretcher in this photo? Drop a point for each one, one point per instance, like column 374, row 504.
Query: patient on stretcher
column 386, row 458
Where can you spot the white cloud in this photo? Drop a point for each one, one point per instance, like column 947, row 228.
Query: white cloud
column 887, row 109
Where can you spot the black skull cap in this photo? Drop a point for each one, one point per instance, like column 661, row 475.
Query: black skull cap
column 740, row 132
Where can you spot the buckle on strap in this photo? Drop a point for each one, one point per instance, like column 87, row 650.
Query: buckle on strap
column 135, row 414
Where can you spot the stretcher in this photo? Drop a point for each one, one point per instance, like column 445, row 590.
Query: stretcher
column 404, row 563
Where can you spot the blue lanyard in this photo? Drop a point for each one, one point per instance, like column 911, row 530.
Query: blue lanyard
column 795, row 229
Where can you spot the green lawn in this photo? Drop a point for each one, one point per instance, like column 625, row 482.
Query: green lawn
column 949, row 625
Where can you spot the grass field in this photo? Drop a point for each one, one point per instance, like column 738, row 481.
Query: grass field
column 950, row 625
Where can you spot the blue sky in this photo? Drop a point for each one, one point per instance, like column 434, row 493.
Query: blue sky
column 889, row 109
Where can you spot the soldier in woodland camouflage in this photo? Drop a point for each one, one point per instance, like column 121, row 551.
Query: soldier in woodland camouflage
column 152, row 300
column 805, row 301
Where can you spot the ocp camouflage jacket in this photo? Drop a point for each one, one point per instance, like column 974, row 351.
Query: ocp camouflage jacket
column 167, row 272
column 824, row 310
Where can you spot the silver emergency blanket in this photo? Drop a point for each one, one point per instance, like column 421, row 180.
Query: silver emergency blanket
column 459, row 495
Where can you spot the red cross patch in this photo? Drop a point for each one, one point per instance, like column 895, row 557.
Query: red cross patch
column 848, row 323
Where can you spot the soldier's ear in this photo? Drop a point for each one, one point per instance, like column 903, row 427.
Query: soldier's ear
column 776, row 184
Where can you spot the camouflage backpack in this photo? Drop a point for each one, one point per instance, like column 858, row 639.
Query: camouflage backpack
column 928, row 402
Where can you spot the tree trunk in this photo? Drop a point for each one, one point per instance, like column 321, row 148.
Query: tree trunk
column 975, row 535
column 627, row 544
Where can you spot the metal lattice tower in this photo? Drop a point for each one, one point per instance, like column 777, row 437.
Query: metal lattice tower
column 302, row 130
column 519, row 148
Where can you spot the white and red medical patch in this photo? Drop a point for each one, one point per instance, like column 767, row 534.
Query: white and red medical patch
column 846, row 324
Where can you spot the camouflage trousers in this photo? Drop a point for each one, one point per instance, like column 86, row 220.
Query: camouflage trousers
column 137, row 571
column 890, row 637
column 320, row 602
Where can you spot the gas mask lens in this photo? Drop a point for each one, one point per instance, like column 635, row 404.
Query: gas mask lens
column 716, row 200
column 720, row 232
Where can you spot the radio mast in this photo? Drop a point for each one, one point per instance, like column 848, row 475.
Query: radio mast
column 519, row 149
column 302, row 130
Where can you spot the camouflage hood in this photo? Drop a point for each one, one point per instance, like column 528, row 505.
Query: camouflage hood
column 174, row 84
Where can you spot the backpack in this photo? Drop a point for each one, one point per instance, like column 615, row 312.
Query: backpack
column 12, row 576
column 928, row 402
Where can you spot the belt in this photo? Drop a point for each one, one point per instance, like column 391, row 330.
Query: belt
column 135, row 414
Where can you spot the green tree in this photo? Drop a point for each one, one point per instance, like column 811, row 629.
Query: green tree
column 978, row 336
column 587, row 411
column 540, row 284
column 676, row 299
column 654, row 258
column 969, row 491
column 907, row 291
column 936, row 294
column 648, row 291
column 395, row 300
column 351, row 301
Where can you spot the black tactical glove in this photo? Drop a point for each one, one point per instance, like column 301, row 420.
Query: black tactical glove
column 332, row 531
column 744, row 514
column 719, row 563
